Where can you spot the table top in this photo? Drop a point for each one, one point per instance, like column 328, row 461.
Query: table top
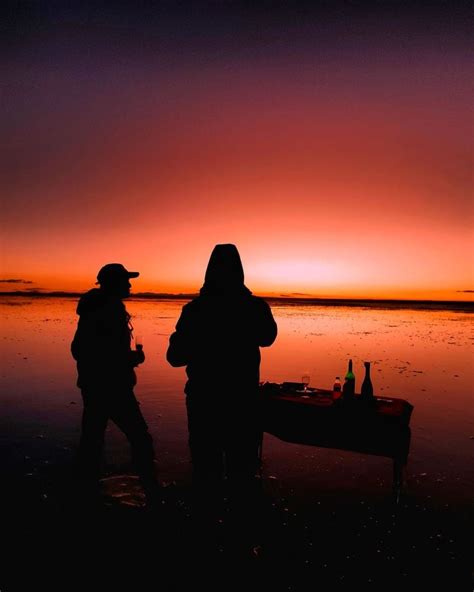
column 394, row 408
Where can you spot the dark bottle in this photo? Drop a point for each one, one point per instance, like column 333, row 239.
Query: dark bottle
column 367, row 390
column 337, row 389
column 348, row 390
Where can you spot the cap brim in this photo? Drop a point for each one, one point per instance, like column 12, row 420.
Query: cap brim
column 133, row 274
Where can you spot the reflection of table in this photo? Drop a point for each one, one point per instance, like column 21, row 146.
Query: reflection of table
column 381, row 429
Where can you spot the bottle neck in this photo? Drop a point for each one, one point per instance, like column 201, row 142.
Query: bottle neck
column 350, row 374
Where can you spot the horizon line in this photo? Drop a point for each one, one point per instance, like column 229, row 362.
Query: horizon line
column 278, row 298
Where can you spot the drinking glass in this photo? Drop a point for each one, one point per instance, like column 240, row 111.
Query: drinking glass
column 305, row 380
column 138, row 342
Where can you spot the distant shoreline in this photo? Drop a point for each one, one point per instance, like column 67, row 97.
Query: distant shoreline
column 454, row 305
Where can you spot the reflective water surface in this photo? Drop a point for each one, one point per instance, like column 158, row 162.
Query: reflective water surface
column 425, row 357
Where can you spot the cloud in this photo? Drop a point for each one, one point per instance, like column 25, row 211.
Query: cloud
column 464, row 291
column 296, row 294
column 15, row 281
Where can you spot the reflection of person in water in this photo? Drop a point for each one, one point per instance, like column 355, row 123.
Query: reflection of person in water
column 106, row 376
column 218, row 337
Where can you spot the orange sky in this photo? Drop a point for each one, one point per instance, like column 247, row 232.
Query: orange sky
column 336, row 172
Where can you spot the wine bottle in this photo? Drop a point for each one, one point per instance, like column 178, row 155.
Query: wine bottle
column 348, row 390
column 367, row 390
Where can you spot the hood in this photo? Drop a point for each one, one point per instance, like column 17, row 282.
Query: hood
column 224, row 273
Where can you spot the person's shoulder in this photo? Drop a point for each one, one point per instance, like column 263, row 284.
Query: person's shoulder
column 259, row 305
column 92, row 294
column 90, row 301
column 259, row 301
column 192, row 305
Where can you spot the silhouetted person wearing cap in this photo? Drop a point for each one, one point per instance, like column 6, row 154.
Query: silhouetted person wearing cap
column 217, row 338
column 106, row 377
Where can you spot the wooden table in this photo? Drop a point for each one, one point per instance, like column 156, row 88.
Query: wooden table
column 381, row 429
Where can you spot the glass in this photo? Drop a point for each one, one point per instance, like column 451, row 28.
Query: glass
column 138, row 342
column 305, row 380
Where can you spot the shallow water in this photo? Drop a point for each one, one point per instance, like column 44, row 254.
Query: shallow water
column 425, row 357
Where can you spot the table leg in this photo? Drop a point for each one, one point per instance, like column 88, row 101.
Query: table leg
column 398, row 479
column 260, row 456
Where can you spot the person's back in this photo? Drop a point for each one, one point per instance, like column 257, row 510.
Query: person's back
column 219, row 337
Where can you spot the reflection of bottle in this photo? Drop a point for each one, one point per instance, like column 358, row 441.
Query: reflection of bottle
column 337, row 389
column 349, row 384
column 367, row 390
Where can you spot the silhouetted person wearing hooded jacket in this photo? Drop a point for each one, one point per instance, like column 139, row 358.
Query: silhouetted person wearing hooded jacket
column 217, row 338
column 106, row 377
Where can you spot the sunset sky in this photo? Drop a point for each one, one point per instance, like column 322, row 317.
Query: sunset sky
column 332, row 146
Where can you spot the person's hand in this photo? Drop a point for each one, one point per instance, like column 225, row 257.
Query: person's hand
column 141, row 355
column 138, row 357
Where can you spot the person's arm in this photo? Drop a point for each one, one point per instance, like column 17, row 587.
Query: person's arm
column 84, row 344
column 179, row 349
column 264, row 324
column 76, row 345
column 137, row 357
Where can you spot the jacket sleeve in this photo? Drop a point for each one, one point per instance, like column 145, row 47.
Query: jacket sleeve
column 75, row 346
column 179, row 349
column 265, row 327
column 98, row 339
column 83, row 339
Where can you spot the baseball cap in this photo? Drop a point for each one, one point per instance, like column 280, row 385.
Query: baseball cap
column 113, row 271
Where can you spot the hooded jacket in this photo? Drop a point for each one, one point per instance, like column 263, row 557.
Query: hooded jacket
column 219, row 334
column 101, row 344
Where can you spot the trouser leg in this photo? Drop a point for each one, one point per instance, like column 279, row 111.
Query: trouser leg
column 205, row 443
column 242, row 457
column 241, row 454
column 126, row 413
column 206, row 457
column 242, row 437
column 94, row 423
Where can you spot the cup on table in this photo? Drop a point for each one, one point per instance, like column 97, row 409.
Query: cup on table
column 305, row 379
